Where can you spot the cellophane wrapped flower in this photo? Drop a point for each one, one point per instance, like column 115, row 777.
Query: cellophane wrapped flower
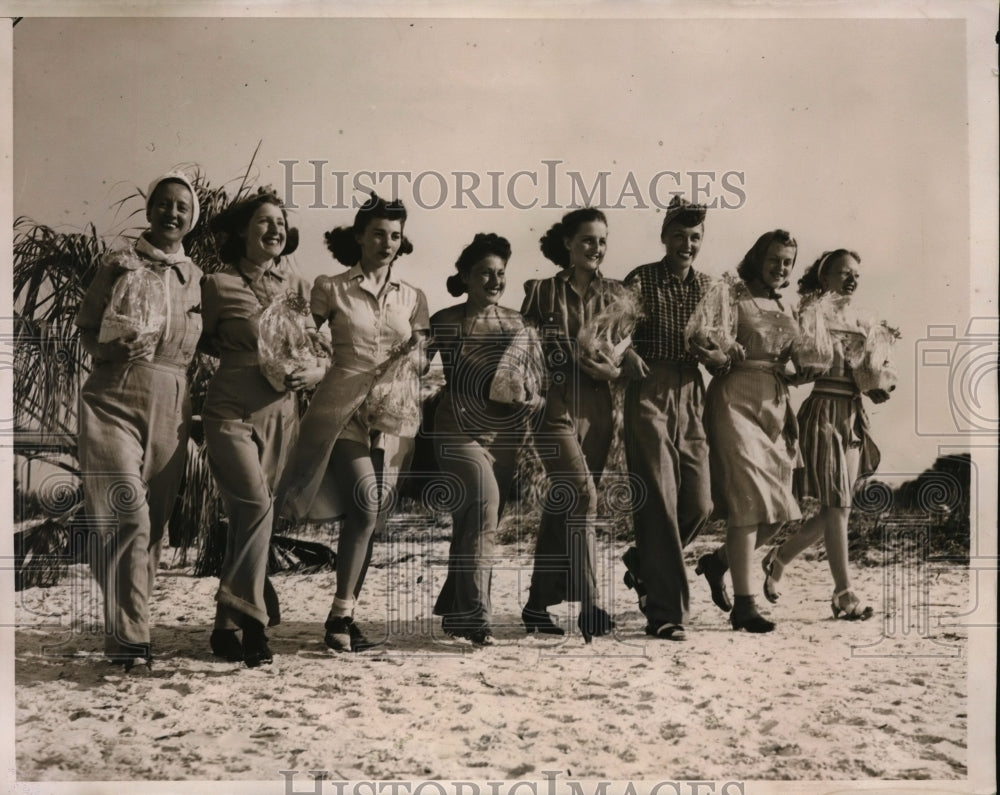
column 713, row 322
column 285, row 341
column 813, row 348
column 877, row 368
column 520, row 372
column 137, row 309
column 608, row 334
column 393, row 403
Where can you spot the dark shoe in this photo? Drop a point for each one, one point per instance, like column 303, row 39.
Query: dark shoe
column 481, row 636
column 358, row 641
column 847, row 606
column 338, row 633
column 256, row 652
column 714, row 571
column 666, row 632
column 593, row 622
column 226, row 644
column 769, row 564
column 632, row 579
column 539, row 621
column 137, row 658
column 745, row 616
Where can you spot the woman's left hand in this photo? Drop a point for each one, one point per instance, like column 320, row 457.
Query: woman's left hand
column 305, row 377
column 532, row 403
column 878, row 395
column 600, row 369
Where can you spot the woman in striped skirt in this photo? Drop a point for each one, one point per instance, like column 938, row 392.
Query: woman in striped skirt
column 835, row 439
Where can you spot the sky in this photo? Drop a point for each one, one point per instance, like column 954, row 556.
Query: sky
column 847, row 132
column 877, row 133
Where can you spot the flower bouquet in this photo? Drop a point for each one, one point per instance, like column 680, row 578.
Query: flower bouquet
column 813, row 348
column 713, row 322
column 608, row 334
column 393, row 403
column 285, row 341
column 137, row 309
column 520, row 372
column 877, row 368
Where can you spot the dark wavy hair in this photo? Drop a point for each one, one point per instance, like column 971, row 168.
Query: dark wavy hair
column 553, row 242
column 343, row 241
column 482, row 245
column 810, row 283
column 749, row 269
column 233, row 221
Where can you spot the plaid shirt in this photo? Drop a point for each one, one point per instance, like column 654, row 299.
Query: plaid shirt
column 669, row 302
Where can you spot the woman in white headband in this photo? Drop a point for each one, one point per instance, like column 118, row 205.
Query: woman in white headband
column 135, row 410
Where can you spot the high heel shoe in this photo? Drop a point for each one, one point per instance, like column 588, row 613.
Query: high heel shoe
column 768, row 564
column 255, row 649
column 714, row 571
column 593, row 622
column 745, row 616
column 847, row 606
column 481, row 636
column 539, row 621
column 338, row 633
column 226, row 644
column 632, row 579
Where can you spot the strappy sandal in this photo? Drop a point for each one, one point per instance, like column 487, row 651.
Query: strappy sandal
column 768, row 564
column 847, row 606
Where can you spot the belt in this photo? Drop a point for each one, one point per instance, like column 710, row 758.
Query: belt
column 760, row 364
column 836, row 387
column 238, row 359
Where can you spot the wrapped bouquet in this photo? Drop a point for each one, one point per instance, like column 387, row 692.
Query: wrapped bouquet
column 520, row 372
column 713, row 322
column 814, row 346
column 286, row 342
column 137, row 308
column 877, row 368
column 393, row 403
column 608, row 334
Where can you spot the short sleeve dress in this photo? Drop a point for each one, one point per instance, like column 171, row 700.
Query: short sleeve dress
column 751, row 428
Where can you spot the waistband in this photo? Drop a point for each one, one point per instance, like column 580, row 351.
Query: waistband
column 157, row 363
column 238, row 359
column 760, row 364
column 836, row 387
column 673, row 364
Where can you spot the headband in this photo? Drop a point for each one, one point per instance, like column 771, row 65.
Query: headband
column 176, row 176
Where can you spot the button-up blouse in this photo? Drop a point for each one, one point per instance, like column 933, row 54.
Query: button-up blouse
column 365, row 327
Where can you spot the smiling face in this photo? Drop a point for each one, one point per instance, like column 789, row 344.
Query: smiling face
column 682, row 244
column 777, row 265
column 265, row 235
column 379, row 243
column 486, row 280
column 169, row 215
column 588, row 246
column 840, row 275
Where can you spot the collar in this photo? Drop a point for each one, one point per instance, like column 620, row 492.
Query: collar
column 667, row 275
column 564, row 274
column 251, row 271
column 161, row 259
column 356, row 274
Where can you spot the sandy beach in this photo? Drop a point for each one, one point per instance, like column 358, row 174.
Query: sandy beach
column 818, row 699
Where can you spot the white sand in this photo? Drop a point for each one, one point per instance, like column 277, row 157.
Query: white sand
column 795, row 704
